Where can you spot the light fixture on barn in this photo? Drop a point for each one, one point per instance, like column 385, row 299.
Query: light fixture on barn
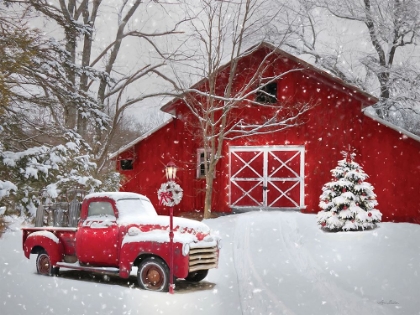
column 170, row 194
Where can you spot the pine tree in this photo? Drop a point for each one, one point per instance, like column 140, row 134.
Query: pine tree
column 348, row 202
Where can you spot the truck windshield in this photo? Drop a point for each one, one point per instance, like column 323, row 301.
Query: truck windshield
column 130, row 209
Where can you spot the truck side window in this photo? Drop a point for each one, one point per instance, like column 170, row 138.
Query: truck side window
column 100, row 208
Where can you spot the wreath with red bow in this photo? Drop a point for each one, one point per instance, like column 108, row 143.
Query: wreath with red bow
column 170, row 194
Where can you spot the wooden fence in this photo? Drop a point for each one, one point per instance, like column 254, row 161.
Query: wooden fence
column 61, row 213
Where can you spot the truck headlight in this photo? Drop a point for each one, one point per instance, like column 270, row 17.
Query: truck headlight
column 219, row 244
column 185, row 249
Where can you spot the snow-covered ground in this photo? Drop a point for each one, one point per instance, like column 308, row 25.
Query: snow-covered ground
column 270, row 263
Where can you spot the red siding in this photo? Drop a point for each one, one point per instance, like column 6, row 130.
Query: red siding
column 391, row 160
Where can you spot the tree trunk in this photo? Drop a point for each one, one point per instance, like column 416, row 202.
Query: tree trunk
column 209, row 190
column 383, row 111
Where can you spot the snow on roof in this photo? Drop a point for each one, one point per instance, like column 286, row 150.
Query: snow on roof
column 305, row 65
column 369, row 113
column 135, row 141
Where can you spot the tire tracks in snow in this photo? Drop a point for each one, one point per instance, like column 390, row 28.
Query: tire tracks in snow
column 256, row 294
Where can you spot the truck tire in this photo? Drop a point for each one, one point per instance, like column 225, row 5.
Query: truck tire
column 196, row 276
column 44, row 266
column 153, row 275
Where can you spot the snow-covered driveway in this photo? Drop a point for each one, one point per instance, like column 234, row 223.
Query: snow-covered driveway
column 283, row 268
column 271, row 263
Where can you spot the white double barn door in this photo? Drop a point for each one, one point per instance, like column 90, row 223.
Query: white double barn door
column 269, row 177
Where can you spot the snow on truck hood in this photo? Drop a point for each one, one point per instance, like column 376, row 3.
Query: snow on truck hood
column 181, row 225
column 156, row 229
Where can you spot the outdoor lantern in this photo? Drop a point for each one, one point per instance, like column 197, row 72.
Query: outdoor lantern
column 170, row 194
column 170, row 171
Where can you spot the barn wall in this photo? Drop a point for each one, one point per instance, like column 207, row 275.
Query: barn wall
column 170, row 143
column 392, row 162
column 333, row 125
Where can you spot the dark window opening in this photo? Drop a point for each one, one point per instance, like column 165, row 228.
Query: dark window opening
column 126, row 165
column 267, row 94
column 201, row 165
column 201, row 171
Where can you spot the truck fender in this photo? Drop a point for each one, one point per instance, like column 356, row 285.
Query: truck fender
column 44, row 240
column 132, row 253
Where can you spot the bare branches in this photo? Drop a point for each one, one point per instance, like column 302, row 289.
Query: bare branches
column 83, row 77
column 387, row 29
column 229, row 80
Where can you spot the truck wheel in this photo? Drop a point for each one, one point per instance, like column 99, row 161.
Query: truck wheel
column 44, row 266
column 153, row 275
column 197, row 276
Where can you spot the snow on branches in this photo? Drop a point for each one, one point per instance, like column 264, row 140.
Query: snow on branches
column 348, row 202
column 54, row 169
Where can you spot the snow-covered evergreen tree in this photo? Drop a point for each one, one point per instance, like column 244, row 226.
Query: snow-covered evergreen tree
column 40, row 103
column 55, row 169
column 348, row 202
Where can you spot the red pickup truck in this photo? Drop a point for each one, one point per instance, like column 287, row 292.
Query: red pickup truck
column 117, row 231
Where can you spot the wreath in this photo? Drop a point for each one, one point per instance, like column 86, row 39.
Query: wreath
column 170, row 194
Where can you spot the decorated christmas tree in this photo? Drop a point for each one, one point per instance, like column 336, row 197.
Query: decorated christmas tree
column 348, row 202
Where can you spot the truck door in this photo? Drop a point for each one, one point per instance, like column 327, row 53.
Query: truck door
column 97, row 242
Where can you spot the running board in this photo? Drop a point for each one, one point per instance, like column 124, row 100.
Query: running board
column 77, row 266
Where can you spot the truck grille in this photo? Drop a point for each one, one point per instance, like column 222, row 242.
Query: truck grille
column 202, row 258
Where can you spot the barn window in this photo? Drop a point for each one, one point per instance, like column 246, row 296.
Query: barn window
column 201, row 172
column 267, row 93
column 126, row 165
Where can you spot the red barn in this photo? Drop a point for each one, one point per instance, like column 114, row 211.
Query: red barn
column 287, row 169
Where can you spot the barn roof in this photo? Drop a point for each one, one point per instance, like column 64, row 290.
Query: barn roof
column 170, row 106
column 368, row 113
column 137, row 140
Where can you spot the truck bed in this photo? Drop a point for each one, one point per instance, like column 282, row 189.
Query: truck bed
column 66, row 235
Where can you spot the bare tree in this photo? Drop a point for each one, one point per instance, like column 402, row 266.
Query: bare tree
column 220, row 31
column 382, row 60
column 97, row 76
column 56, row 92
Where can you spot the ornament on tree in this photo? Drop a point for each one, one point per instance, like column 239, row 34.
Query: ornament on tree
column 341, row 192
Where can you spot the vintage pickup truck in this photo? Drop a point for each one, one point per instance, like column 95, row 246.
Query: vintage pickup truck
column 118, row 231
